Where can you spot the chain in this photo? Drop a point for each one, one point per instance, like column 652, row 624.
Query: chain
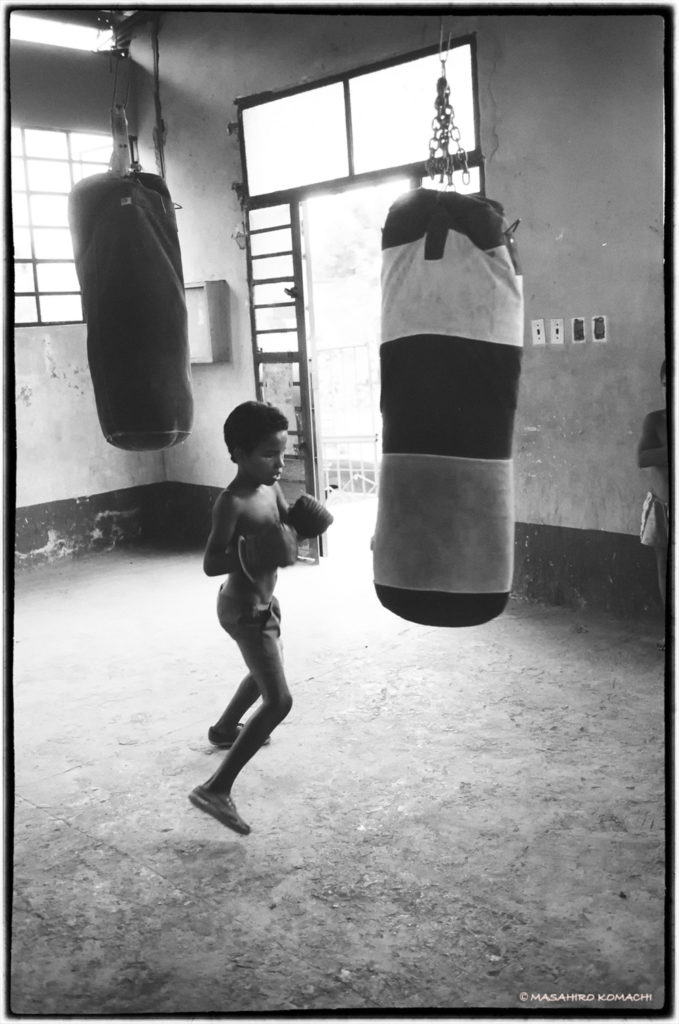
column 445, row 131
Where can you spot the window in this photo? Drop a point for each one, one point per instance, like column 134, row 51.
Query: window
column 31, row 29
column 392, row 110
column 45, row 166
column 359, row 125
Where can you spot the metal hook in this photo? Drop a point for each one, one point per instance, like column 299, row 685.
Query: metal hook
column 441, row 57
column 118, row 58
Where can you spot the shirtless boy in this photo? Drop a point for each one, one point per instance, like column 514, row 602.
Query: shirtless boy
column 652, row 455
column 249, row 540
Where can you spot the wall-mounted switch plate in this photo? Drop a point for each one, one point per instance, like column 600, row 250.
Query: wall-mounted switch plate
column 578, row 330
column 556, row 331
column 599, row 329
column 537, row 329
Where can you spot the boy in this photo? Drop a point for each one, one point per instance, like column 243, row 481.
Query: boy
column 652, row 455
column 250, row 539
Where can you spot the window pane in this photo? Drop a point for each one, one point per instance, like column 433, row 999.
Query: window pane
column 44, row 143
column 275, row 318
column 25, row 310
column 23, row 277
column 60, row 307
column 17, row 143
column 91, row 148
column 264, row 293
column 18, row 176
column 49, row 210
column 306, row 134
column 53, row 243
column 277, row 342
column 472, row 188
column 392, row 110
column 22, row 243
column 49, row 32
column 48, row 176
column 272, row 241
column 57, row 277
column 276, row 266
column 81, row 171
column 20, row 208
column 269, row 217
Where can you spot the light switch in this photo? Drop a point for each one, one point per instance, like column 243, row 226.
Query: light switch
column 537, row 328
column 556, row 331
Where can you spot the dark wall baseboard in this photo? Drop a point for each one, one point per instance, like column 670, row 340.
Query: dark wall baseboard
column 581, row 569
column 169, row 514
column 609, row 572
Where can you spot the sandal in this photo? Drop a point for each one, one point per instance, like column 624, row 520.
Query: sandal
column 220, row 807
column 222, row 743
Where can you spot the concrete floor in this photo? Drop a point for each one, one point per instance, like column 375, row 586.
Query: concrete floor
column 446, row 820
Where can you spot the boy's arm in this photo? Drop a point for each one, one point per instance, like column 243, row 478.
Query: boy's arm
column 221, row 553
column 283, row 507
column 651, row 451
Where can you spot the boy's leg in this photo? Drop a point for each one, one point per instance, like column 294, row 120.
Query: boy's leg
column 245, row 696
column 260, row 647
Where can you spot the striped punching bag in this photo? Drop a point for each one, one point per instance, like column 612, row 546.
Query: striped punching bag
column 450, row 359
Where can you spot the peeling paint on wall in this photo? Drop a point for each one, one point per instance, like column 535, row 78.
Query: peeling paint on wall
column 55, row 548
column 78, row 526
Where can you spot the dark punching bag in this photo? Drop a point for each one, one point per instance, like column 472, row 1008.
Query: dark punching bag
column 129, row 266
column 450, row 359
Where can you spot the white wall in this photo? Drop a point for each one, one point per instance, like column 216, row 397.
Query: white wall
column 571, row 118
column 61, row 451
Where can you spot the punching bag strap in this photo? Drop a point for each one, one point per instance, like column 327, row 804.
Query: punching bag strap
column 120, row 157
column 436, row 236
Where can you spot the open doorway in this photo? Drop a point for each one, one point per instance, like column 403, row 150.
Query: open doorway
column 342, row 244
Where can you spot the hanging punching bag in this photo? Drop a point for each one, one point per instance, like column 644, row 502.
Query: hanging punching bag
column 450, row 358
column 129, row 267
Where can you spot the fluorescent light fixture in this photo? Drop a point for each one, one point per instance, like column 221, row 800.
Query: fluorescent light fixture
column 28, row 29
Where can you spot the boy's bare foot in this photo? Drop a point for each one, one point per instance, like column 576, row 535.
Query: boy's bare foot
column 221, row 807
column 225, row 742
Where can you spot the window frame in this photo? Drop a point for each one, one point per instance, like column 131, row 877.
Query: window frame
column 415, row 169
column 70, row 161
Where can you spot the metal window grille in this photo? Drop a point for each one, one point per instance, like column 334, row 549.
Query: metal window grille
column 46, row 164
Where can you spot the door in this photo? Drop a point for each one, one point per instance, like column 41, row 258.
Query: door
column 277, row 309
column 343, row 260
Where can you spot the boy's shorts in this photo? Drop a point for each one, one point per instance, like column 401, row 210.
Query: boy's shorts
column 655, row 516
column 257, row 631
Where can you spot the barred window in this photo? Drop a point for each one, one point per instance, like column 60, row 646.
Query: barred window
column 46, row 164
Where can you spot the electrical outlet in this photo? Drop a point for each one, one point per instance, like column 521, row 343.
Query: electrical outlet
column 578, row 330
column 556, row 331
column 599, row 329
column 537, row 328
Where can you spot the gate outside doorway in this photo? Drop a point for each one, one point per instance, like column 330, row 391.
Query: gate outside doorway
column 348, row 400
column 342, row 252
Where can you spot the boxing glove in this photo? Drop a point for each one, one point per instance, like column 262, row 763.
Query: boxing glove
column 271, row 548
column 308, row 517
